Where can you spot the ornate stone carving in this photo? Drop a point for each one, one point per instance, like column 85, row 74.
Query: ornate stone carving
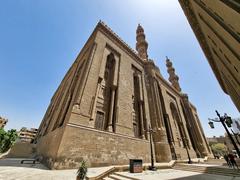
column 173, row 78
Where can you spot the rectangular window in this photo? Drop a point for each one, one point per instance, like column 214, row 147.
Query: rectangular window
column 99, row 122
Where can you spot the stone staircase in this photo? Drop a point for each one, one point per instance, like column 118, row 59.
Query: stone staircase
column 224, row 171
column 117, row 176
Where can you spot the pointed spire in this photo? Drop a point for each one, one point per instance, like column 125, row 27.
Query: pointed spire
column 141, row 45
column 173, row 78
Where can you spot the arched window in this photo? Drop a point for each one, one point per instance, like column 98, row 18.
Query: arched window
column 136, row 112
column 103, row 119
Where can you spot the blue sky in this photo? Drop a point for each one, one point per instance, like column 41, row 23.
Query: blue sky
column 39, row 40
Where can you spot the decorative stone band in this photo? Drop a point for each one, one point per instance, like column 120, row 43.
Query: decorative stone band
column 105, row 132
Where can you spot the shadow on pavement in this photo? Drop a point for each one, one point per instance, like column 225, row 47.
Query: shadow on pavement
column 208, row 177
column 16, row 162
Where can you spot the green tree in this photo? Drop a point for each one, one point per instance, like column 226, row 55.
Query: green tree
column 3, row 136
column 219, row 149
column 7, row 139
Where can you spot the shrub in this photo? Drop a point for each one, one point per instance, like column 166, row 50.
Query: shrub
column 7, row 139
column 82, row 170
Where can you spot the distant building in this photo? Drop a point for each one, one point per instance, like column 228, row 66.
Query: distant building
column 216, row 25
column 27, row 135
column 224, row 140
column 3, row 122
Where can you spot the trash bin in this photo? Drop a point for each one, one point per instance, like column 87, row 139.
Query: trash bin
column 136, row 166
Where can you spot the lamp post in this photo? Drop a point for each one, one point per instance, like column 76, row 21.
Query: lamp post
column 185, row 144
column 225, row 120
column 151, row 131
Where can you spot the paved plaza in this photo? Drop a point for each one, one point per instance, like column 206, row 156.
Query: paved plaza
column 11, row 169
column 166, row 174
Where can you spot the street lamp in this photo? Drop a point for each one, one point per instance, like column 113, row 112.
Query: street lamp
column 210, row 123
column 185, row 143
column 151, row 131
column 225, row 120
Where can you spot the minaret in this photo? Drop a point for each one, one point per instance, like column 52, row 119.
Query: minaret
column 141, row 45
column 173, row 78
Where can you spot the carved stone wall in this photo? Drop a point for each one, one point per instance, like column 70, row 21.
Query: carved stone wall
column 104, row 105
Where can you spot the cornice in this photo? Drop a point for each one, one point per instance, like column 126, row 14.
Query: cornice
column 101, row 26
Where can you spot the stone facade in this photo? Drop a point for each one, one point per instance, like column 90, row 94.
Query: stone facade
column 216, row 25
column 104, row 106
